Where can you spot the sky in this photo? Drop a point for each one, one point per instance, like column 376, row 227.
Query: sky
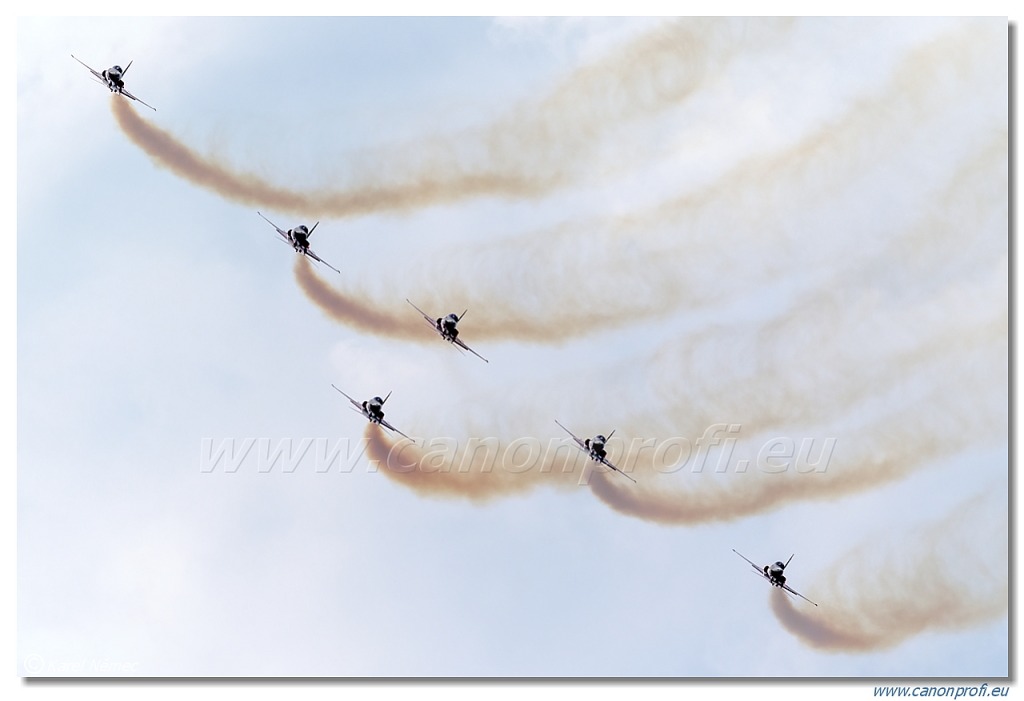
column 792, row 230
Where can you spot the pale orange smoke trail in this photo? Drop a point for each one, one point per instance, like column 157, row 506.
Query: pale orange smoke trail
column 479, row 470
column 829, row 352
column 956, row 411
column 949, row 415
column 355, row 314
column 167, row 151
column 401, row 321
column 733, row 235
column 943, row 577
column 539, row 145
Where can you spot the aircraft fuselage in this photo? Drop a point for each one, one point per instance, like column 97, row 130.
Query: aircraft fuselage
column 447, row 327
column 774, row 573
column 300, row 238
column 374, row 409
column 113, row 77
column 596, row 447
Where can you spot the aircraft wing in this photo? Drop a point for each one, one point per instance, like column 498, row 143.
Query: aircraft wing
column 424, row 315
column 791, row 590
column 388, row 426
column 356, row 404
column 579, row 442
column 284, row 235
column 128, row 94
column 94, row 72
column 460, row 344
column 607, row 463
column 758, row 569
column 309, row 252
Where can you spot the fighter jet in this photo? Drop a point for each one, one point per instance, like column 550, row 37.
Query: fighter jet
column 446, row 327
column 774, row 575
column 594, row 447
column 298, row 239
column 373, row 409
column 113, row 78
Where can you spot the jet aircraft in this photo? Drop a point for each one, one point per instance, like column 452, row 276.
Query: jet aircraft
column 594, row 447
column 113, row 78
column 373, row 409
column 446, row 327
column 298, row 239
column 774, row 574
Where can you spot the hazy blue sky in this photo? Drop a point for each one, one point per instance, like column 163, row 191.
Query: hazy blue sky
column 797, row 228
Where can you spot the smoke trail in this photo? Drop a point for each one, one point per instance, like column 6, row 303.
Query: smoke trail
column 745, row 220
column 538, row 146
column 975, row 190
column 823, row 356
column 357, row 315
column 885, row 449
column 479, row 470
column 947, row 576
column 167, row 151
column 955, row 411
